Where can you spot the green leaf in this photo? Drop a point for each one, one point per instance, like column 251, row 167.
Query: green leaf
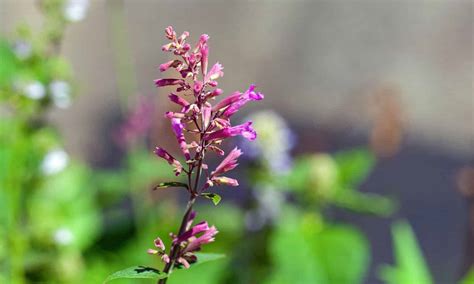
column 216, row 198
column 201, row 259
column 469, row 277
column 170, row 184
column 206, row 257
column 354, row 165
column 410, row 264
column 137, row 272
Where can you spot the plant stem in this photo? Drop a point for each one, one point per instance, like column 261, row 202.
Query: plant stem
column 175, row 249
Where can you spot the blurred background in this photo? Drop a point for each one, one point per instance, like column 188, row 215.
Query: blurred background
column 385, row 86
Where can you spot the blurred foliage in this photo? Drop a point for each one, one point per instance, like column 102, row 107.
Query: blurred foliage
column 410, row 265
column 75, row 224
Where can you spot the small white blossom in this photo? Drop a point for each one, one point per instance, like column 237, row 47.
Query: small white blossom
column 60, row 94
column 75, row 10
column 34, row 90
column 54, row 162
column 63, row 236
column 22, row 49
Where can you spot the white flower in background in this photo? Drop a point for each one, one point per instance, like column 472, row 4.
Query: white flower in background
column 22, row 49
column 60, row 94
column 75, row 10
column 269, row 203
column 54, row 162
column 34, row 90
column 275, row 140
column 63, row 236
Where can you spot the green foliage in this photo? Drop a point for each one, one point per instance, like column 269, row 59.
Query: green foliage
column 137, row 272
column 468, row 278
column 325, row 180
column 170, row 184
column 410, row 265
column 153, row 273
column 304, row 251
column 214, row 197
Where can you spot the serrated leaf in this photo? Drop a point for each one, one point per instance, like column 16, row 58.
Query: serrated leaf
column 137, row 272
column 170, row 184
column 216, row 198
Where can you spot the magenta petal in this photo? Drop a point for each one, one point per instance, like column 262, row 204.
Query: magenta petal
column 168, row 82
column 162, row 153
column 177, row 126
column 229, row 163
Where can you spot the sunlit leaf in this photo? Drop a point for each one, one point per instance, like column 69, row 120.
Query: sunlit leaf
column 216, row 198
column 170, row 184
column 137, row 272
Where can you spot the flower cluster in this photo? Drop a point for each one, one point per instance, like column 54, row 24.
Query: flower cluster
column 189, row 242
column 209, row 124
column 199, row 126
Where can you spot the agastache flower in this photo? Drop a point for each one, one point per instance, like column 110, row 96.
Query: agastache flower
column 246, row 130
column 159, row 251
column 160, row 152
column 207, row 126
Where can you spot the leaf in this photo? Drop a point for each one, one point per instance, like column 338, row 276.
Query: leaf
column 201, row 259
column 170, row 184
column 410, row 264
column 368, row 203
column 137, row 272
column 354, row 165
column 469, row 277
column 216, row 198
column 206, row 257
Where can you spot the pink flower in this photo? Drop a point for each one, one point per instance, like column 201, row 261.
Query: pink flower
column 178, row 100
column 207, row 237
column 160, row 250
column 177, row 126
column 172, row 63
column 214, row 73
column 168, row 82
column 249, row 95
column 229, row 163
column 162, row 153
column 223, row 181
column 246, row 130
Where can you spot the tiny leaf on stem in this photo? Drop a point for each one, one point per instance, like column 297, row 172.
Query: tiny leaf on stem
column 137, row 272
column 170, row 184
column 216, row 198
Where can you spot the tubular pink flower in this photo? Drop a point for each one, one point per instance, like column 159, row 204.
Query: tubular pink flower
column 206, row 111
column 184, row 262
column 246, row 130
column 172, row 63
column 207, row 237
column 204, row 59
column 162, row 153
column 214, row 73
column 229, row 163
column 178, row 100
column 177, row 126
column 159, row 244
column 249, row 95
column 170, row 33
column 224, row 181
column 227, row 101
column 198, row 228
column 168, row 82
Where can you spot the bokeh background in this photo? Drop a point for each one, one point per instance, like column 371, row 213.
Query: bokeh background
column 395, row 76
